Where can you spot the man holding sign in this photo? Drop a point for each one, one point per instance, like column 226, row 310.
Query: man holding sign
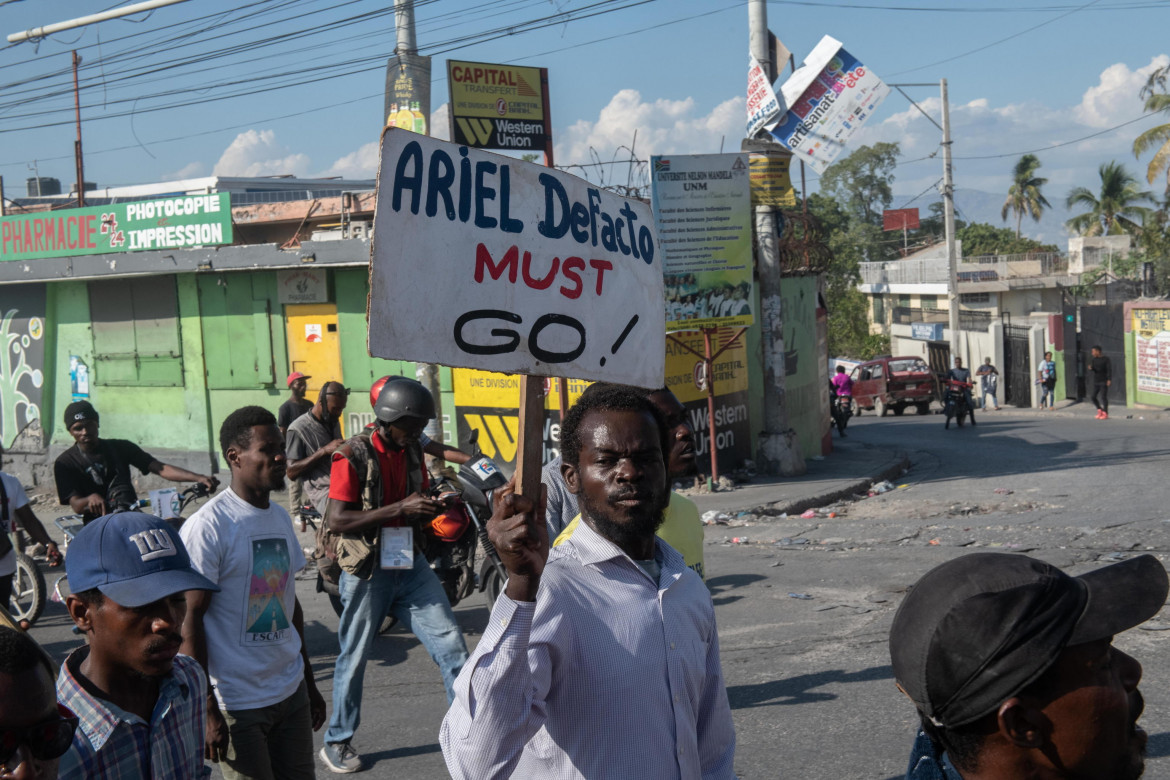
column 601, row 658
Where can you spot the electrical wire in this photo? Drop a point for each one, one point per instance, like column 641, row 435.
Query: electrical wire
column 1043, row 149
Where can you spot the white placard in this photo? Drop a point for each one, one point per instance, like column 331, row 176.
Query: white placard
column 485, row 261
column 762, row 105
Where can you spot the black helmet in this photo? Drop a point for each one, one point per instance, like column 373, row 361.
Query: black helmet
column 402, row 397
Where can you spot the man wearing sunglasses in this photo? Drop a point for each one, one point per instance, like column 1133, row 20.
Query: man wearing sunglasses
column 34, row 730
column 142, row 706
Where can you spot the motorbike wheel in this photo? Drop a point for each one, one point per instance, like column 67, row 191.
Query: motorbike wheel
column 29, row 592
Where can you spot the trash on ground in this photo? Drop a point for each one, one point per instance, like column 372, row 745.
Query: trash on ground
column 935, row 542
column 801, row 596
column 832, row 514
column 774, row 565
column 885, row 486
column 1154, row 625
column 741, row 540
column 715, row 518
column 823, row 607
column 1004, row 491
column 808, row 514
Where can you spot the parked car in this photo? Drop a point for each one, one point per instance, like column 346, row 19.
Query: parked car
column 893, row 383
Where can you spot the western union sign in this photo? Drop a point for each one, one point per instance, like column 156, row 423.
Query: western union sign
column 498, row 106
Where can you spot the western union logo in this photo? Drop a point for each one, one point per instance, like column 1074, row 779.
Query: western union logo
column 477, row 131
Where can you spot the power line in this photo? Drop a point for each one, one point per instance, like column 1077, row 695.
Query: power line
column 1043, row 149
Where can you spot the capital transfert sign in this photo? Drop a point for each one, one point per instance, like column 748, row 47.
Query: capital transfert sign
column 498, row 106
column 170, row 223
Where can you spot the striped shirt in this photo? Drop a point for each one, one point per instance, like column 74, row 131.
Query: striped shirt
column 113, row 744
column 607, row 674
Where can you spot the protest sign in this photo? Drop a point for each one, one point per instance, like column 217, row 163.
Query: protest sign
column 702, row 204
column 483, row 261
column 829, row 98
column 169, row 223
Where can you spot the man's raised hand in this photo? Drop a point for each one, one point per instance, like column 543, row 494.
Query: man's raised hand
column 519, row 534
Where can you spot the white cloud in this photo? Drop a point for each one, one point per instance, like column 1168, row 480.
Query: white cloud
column 1115, row 98
column 663, row 127
column 362, row 164
column 189, row 171
column 256, row 153
column 441, row 123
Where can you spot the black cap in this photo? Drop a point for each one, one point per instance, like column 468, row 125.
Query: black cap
column 78, row 411
column 977, row 630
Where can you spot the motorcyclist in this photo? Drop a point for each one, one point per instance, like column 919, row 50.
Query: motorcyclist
column 842, row 387
column 93, row 476
column 962, row 375
column 430, row 447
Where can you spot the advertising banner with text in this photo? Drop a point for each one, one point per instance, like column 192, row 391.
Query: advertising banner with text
column 170, row 223
column 498, row 106
column 1151, row 330
column 702, row 203
column 483, row 261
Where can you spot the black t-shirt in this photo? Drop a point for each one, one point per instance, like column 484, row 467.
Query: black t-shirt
column 1102, row 369
column 107, row 472
column 291, row 410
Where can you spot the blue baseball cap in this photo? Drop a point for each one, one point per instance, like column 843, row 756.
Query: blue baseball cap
column 133, row 558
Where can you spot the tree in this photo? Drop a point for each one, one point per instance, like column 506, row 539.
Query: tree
column 1157, row 99
column 863, row 181
column 1116, row 208
column 1024, row 195
column 979, row 238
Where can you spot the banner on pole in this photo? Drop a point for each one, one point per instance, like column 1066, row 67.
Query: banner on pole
column 483, row 261
column 702, row 204
column 170, row 223
column 407, row 103
column 829, row 98
column 762, row 105
column 771, row 179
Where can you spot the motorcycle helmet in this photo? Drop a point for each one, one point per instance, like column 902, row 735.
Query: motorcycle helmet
column 402, row 397
column 452, row 523
column 377, row 388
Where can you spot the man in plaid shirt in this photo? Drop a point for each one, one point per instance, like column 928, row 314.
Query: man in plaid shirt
column 142, row 707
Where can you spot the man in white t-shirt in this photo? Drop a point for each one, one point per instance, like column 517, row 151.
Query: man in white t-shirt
column 250, row 636
column 14, row 511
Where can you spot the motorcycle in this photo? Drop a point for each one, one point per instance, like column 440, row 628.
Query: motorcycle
column 840, row 410
column 956, row 403
column 454, row 561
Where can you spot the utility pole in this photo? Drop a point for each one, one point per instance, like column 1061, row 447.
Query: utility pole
column 949, row 225
column 777, row 449
column 77, row 158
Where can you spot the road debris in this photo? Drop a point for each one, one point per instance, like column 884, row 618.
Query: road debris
column 801, row 596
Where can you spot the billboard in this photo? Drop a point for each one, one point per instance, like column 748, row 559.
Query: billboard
column 829, row 98
column 498, row 106
column 542, row 273
column 1151, row 330
column 900, row 219
column 702, row 205
column 170, row 223
column 407, row 103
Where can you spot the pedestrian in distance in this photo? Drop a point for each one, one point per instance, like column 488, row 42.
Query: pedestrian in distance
column 93, row 476
column 35, row 731
column 311, row 441
column 989, row 384
column 1046, row 378
column 1102, row 369
column 250, row 636
column 601, row 657
column 290, row 410
column 141, row 703
column 378, row 503
column 681, row 528
column 1010, row 664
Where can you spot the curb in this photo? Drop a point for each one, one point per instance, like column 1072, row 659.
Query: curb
column 795, row 507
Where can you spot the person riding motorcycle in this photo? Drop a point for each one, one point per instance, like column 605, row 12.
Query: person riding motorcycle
column 963, row 375
column 841, row 386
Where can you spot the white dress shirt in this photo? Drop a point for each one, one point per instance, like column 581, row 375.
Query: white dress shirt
column 607, row 675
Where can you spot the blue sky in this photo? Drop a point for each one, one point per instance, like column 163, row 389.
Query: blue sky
column 672, row 70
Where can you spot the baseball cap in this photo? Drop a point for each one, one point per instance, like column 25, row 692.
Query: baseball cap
column 294, row 376
column 78, row 411
column 133, row 558
column 978, row 629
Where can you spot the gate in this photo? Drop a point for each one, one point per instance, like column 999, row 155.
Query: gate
column 1017, row 373
column 1103, row 324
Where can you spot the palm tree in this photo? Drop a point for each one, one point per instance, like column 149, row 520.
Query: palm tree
column 1117, row 208
column 1156, row 100
column 1024, row 196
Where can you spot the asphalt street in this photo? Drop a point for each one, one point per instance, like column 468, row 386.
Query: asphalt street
column 809, row 678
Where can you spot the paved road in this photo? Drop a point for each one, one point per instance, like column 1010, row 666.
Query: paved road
column 809, row 680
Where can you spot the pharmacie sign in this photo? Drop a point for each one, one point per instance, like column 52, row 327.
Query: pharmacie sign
column 541, row 272
column 169, row 223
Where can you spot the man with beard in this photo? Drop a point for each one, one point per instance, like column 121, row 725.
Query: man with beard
column 311, row 441
column 681, row 528
column 140, row 704
column 35, row 731
column 1011, row 665
column 264, row 705
column 601, row 658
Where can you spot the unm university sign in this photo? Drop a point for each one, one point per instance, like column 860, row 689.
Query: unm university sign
column 483, row 261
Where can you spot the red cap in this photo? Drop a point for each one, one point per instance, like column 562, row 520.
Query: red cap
column 294, row 376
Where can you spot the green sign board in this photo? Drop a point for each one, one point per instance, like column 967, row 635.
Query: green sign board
column 170, row 223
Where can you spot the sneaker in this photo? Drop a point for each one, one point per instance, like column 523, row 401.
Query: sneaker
column 341, row 758
column 1099, row 413
column 1104, row 415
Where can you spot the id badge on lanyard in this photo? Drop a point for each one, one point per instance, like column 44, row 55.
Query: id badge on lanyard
column 398, row 548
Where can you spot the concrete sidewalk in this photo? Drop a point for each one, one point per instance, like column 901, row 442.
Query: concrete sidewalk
column 1069, row 408
column 850, row 469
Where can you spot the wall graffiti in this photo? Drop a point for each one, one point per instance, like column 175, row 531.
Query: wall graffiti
column 22, row 378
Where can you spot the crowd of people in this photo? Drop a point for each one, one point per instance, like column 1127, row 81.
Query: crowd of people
column 601, row 656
